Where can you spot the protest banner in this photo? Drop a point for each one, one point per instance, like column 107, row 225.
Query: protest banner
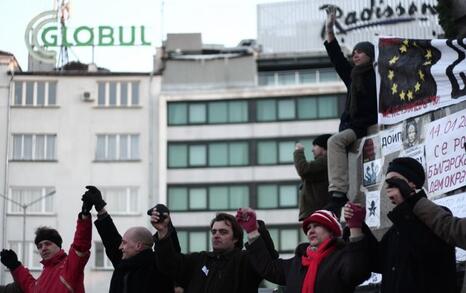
column 445, row 153
column 419, row 76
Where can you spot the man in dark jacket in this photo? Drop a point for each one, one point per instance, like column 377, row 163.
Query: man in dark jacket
column 324, row 264
column 360, row 109
column 226, row 269
column 313, row 191
column 410, row 257
column 131, row 255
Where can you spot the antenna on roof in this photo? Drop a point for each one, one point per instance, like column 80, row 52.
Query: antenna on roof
column 63, row 11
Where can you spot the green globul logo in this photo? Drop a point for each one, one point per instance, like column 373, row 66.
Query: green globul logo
column 44, row 31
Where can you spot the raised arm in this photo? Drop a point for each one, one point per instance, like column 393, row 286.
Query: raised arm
column 330, row 23
column 441, row 222
column 305, row 169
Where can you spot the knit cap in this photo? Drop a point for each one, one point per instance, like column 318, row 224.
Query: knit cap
column 326, row 219
column 410, row 168
column 367, row 48
column 321, row 140
column 44, row 233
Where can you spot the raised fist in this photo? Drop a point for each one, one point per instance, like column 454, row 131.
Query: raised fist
column 93, row 195
column 331, row 11
column 247, row 219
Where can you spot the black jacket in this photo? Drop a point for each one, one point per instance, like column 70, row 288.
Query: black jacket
column 341, row 271
column 411, row 258
column 364, row 112
column 135, row 274
column 210, row 272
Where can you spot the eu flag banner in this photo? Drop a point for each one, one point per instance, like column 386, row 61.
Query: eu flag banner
column 418, row 76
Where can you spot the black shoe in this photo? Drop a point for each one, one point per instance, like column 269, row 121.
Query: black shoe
column 336, row 202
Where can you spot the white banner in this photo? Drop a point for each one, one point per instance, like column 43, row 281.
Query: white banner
column 419, row 76
column 445, row 153
column 391, row 140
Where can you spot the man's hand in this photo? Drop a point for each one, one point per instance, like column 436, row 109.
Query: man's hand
column 331, row 11
column 94, row 196
column 247, row 219
column 87, row 205
column 9, row 259
column 299, row 146
column 160, row 221
column 354, row 215
column 402, row 185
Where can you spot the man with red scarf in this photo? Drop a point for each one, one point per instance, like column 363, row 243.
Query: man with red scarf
column 325, row 264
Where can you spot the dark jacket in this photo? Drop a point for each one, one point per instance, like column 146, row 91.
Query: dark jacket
column 135, row 274
column 341, row 271
column 361, row 98
column 411, row 258
column 10, row 288
column 211, row 272
column 313, row 194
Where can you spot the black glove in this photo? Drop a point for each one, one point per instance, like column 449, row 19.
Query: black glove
column 87, row 205
column 161, row 209
column 9, row 259
column 403, row 186
column 94, row 196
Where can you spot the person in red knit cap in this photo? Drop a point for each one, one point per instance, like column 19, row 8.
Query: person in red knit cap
column 62, row 272
column 328, row 262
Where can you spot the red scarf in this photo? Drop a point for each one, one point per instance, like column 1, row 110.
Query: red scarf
column 312, row 260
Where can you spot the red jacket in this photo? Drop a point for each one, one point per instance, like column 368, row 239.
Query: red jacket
column 62, row 272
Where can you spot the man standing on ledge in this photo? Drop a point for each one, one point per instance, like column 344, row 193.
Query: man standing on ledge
column 360, row 109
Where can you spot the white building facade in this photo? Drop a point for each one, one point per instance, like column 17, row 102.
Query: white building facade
column 72, row 129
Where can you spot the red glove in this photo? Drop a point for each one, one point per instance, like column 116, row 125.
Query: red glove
column 359, row 214
column 247, row 219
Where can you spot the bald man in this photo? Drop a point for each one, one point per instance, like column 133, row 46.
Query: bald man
column 131, row 255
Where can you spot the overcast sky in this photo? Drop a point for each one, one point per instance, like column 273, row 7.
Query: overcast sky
column 220, row 22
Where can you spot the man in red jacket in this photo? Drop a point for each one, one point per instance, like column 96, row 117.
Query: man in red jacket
column 61, row 272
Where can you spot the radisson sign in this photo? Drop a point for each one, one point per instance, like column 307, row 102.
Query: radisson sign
column 44, row 31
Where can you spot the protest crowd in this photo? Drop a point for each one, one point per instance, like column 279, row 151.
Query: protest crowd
column 416, row 254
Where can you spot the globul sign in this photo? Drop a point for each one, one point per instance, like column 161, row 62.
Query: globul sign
column 44, row 31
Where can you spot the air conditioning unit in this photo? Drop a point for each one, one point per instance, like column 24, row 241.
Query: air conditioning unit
column 87, row 97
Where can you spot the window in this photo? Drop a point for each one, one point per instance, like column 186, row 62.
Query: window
column 27, row 195
column 217, row 197
column 327, row 74
column 272, row 196
column 193, row 240
column 275, row 152
column 215, row 154
column 297, row 108
column 121, row 200
column 34, row 147
column 286, row 238
column 177, row 113
column 118, row 93
column 101, row 260
column 216, row 112
column 32, row 256
column 35, row 93
column 117, row 147
column 293, row 77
